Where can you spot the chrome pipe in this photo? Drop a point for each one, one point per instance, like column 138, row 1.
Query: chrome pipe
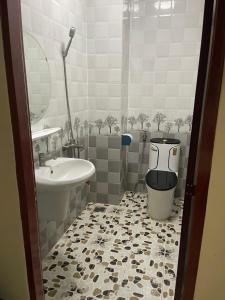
column 64, row 55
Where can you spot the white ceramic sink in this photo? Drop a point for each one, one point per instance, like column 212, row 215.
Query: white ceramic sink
column 54, row 183
column 61, row 173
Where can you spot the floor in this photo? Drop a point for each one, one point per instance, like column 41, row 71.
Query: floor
column 119, row 253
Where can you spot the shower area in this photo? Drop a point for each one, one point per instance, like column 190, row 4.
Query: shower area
column 130, row 66
column 142, row 77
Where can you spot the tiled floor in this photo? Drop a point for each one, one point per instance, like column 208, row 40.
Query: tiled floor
column 117, row 254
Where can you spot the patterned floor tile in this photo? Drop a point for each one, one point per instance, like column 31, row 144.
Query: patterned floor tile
column 115, row 252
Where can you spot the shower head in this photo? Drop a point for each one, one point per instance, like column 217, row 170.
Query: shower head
column 72, row 32
column 71, row 35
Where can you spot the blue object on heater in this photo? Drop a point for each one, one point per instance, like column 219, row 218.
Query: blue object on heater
column 126, row 139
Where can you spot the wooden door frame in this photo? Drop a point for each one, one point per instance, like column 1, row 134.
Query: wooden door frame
column 208, row 85
column 207, row 98
column 10, row 14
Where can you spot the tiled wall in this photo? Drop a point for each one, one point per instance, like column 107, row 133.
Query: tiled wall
column 120, row 168
column 49, row 21
column 51, row 231
column 129, row 58
column 158, row 69
column 104, row 47
column 146, row 70
column 125, row 65
column 164, row 54
column 105, row 152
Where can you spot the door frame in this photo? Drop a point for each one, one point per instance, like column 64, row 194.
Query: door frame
column 207, row 100
column 10, row 15
column 204, row 121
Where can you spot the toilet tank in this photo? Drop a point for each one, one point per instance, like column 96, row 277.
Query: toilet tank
column 164, row 154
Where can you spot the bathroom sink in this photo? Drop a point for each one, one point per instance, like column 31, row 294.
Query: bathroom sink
column 61, row 173
column 54, row 183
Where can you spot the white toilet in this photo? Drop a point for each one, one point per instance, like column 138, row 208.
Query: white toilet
column 162, row 176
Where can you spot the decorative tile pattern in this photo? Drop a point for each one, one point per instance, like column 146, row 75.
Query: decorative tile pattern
column 105, row 153
column 51, row 231
column 119, row 253
column 121, row 168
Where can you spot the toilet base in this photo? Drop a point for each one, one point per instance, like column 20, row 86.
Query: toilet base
column 160, row 203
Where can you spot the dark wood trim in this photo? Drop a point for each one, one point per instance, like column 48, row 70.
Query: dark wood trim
column 10, row 12
column 212, row 97
column 198, row 107
column 202, row 143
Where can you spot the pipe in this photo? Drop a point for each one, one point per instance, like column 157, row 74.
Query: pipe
column 64, row 55
column 67, row 101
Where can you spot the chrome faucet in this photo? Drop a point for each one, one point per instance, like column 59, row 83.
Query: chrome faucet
column 72, row 146
column 41, row 157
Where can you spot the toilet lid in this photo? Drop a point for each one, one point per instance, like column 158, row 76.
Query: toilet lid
column 161, row 180
column 165, row 141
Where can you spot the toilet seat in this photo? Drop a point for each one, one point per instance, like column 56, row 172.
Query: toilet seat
column 161, row 180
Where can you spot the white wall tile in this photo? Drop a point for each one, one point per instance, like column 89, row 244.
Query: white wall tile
column 163, row 41
column 164, row 65
column 49, row 22
column 179, row 6
column 104, row 30
column 164, row 22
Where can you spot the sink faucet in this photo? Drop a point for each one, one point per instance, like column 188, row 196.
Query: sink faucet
column 73, row 146
column 41, row 157
column 79, row 148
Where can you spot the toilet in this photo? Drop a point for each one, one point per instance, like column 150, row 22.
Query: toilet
column 162, row 176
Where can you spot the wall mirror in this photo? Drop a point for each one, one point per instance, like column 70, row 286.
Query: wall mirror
column 38, row 77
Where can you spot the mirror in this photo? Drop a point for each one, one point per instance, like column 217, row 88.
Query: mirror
column 38, row 77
